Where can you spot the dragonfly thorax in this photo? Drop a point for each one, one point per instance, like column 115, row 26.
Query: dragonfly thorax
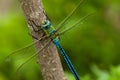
column 49, row 29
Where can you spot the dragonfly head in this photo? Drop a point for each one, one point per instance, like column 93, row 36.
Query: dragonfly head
column 46, row 24
column 48, row 28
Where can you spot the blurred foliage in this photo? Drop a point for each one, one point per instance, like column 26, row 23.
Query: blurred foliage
column 93, row 46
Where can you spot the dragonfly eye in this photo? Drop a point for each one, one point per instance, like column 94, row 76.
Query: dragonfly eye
column 46, row 24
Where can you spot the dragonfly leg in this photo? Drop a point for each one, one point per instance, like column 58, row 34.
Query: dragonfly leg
column 33, row 36
column 34, row 26
column 36, row 30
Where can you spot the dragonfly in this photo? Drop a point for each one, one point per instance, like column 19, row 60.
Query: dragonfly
column 53, row 36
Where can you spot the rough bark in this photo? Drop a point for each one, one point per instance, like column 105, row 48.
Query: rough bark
column 48, row 59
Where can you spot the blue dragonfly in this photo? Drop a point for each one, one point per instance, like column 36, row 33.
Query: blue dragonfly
column 53, row 34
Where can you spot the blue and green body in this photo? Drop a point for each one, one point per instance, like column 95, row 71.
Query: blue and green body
column 51, row 32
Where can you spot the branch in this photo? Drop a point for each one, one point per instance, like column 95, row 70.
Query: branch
column 48, row 59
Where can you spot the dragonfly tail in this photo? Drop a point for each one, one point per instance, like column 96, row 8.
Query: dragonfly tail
column 67, row 60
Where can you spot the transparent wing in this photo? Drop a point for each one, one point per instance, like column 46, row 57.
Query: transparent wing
column 19, row 56
column 32, row 56
column 25, row 47
column 60, row 25
column 75, row 24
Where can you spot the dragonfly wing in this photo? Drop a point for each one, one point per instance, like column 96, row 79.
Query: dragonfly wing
column 25, row 47
column 65, row 20
column 19, row 56
column 32, row 56
column 74, row 25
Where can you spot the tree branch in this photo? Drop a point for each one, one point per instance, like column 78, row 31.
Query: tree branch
column 48, row 59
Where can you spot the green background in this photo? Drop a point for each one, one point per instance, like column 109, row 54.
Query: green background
column 93, row 45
